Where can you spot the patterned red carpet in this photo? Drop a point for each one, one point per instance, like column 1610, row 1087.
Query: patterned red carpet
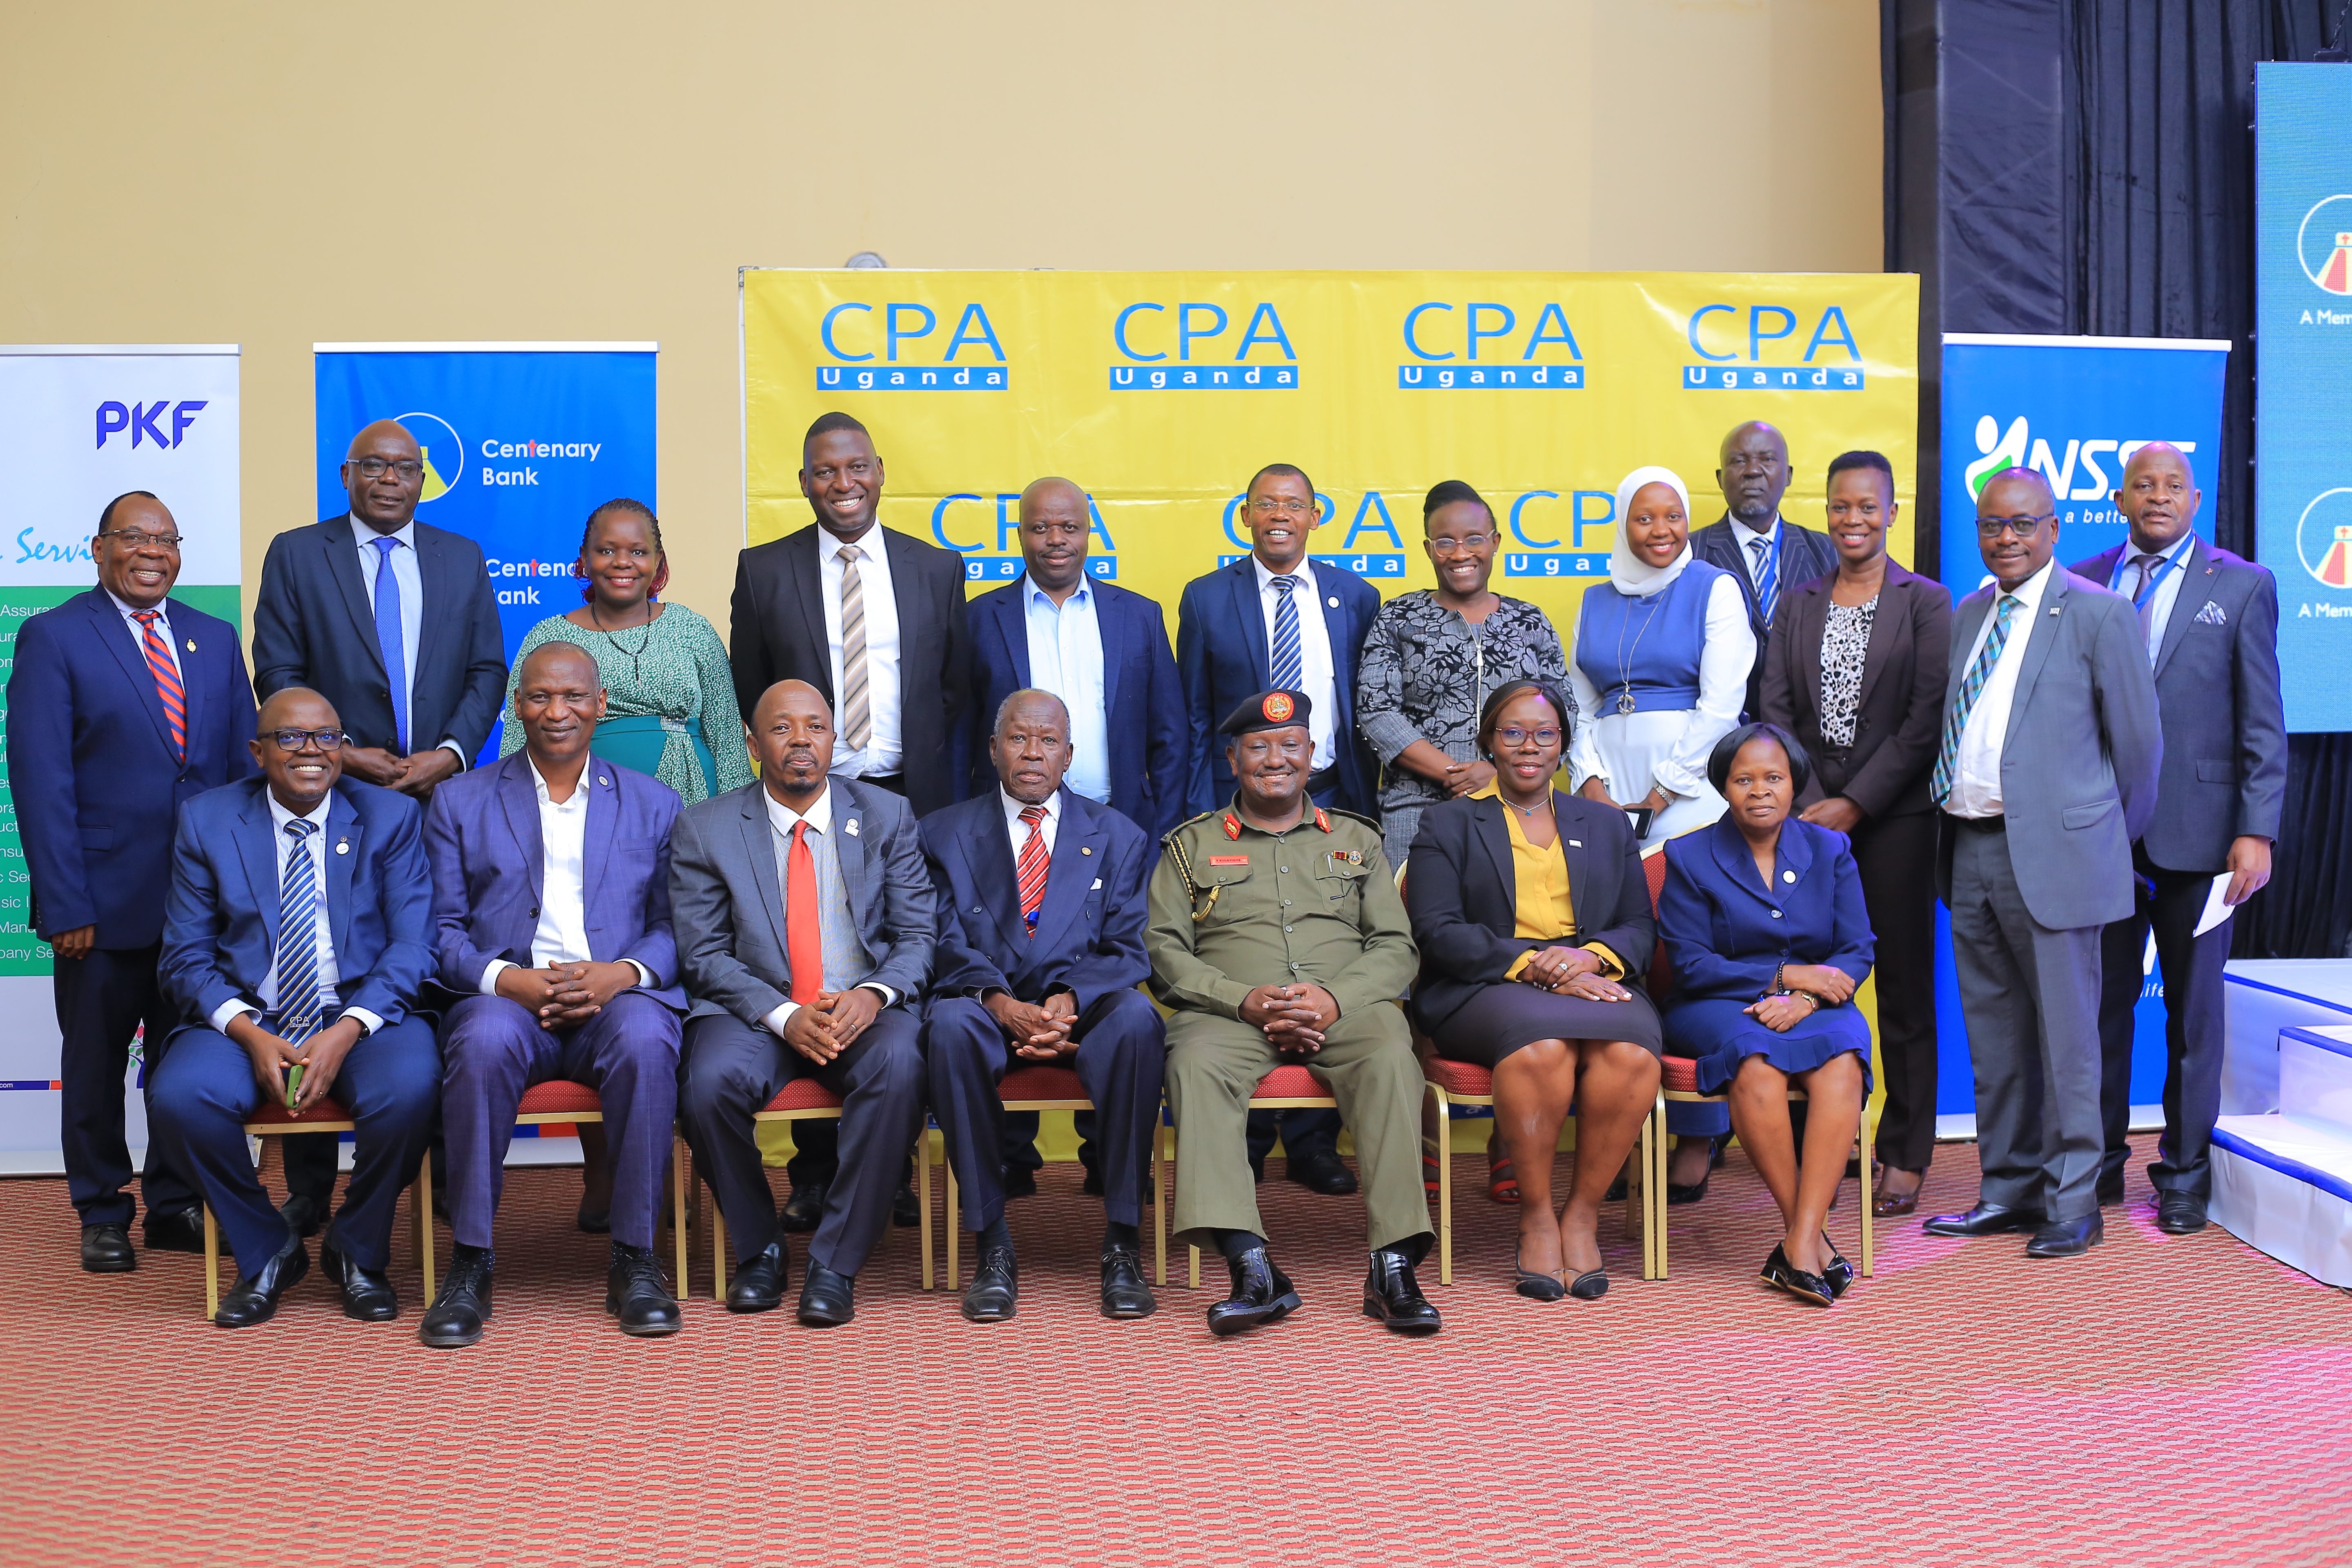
column 2164, row 1401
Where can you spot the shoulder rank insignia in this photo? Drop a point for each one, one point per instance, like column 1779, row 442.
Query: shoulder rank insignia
column 1322, row 821
column 1232, row 825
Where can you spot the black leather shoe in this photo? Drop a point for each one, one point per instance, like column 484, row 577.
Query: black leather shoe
column 176, row 1230
column 994, row 1292
column 827, row 1299
column 253, row 1297
column 1262, row 1294
column 2110, row 1189
column 1016, row 1181
column 1679, row 1195
column 1984, row 1219
column 1323, row 1173
column 904, row 1212
column 805, row 1209
column 1783, row 1274
column 455, row 1318
column 1124, row 1292
column 304, row 1213
column 759, row 1283
column 1392, row 1297
column 105, row 1249
column 2067, row 1237
column 1839, row 1274
column 368, row 1296
column 2178, row 1213
column 637, row 1293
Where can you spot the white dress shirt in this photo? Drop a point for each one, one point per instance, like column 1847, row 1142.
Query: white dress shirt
column 563, row 933
column 1050, row 824
column 835, row 918
column 885, row 751
column 1314, row 667
column 316, row 843
column 2168, row 588
column 1748, row 539
column 130, row 614
column 404, row 572
column 1976, row 770
column 1066, row 658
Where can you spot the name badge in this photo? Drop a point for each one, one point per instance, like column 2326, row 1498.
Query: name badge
column 1228, row 859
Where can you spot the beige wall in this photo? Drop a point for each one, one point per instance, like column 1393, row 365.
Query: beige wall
column 276, row 174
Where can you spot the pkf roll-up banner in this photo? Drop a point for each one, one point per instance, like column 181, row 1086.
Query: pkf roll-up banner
column 79, row 425
column 2073, row 410
column 521, row 442
column 2302, row 398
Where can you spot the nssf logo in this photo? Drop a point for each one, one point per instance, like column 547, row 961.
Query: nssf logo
column 2079, row 475
column 142, row 420
column 889, row 348
column 1719, row 334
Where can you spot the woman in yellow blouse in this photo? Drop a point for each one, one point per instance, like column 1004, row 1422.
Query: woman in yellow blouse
column 1531, row 913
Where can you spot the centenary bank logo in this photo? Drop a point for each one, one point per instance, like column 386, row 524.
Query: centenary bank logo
column 433, row 436
column 1548, row 359
column 2323, row 538
column 1769, row 335
column 2078, row 475
column 887, row 348
column 2323, row 246
column 1174, row 348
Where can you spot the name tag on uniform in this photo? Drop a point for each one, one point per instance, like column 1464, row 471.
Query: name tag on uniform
column 1228, row 859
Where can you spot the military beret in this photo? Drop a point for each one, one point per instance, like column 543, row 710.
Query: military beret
column 1275, row 710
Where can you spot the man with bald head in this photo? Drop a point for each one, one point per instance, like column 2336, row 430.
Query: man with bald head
column 806, row 930
column 2211, row 624
column 1753, row 541
column 2045, row 772
column 342, row 609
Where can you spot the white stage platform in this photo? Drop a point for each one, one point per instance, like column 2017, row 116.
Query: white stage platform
column 2282, row 1148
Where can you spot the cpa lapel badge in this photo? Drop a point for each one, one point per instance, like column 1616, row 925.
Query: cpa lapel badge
column 343, row 846
column 850, row 827
column 2212, row 615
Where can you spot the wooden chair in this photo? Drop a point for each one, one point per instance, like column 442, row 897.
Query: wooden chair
column 1043, row 1088
column 1287, row 1087
column 327, row 1116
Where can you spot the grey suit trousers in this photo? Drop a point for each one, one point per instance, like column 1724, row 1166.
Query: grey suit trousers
column 2030, row 995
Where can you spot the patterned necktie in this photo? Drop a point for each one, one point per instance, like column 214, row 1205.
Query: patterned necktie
column 1288, row 664
column 857, row 717
column 167, row 680
column 298, row 937
column 1033, row 863
column 803, row 922
column 388, row 638
column 1768, row 577
column 1972, row 684
column 2143, row 594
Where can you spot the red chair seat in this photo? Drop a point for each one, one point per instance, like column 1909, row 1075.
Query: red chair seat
column 1290, row 1082
column 1040, row 1082
column 278, row 1116
column 1680, row 1076
column 559, row 1095
column 804, row 1094
column 1458, row 1078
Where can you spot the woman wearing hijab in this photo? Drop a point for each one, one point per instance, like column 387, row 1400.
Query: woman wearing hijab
column 1659, row 672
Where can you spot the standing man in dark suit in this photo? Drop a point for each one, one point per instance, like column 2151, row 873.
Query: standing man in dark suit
column 1040, row 950
column 1753, row 541
column 1277, row 620
column 123, row 706
column 2210, row 621
column 551, row 932
column 2046, row 773
column 808, row 926
column 342, row 610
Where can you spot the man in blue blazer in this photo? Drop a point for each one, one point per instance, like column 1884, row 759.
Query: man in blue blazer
column 551, row 919
column 1276, row 620
column 2211, row 625
column 1768, row 554
column 1042, row 913
column 123, row 705
column 295, row 944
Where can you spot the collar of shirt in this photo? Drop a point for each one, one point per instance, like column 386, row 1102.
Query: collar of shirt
column 784, row 818
column 1013, row 808
column 365, row 537
column 2174, row 553
column 1749, row 537
column 1304, row 571
column 317, row 816
column 2029, row 592
column 1084, row 594
column 162, row 608
column 579, row 796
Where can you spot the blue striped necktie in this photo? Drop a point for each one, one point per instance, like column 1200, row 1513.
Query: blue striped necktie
column 298, row 937
column 1288, row 664
column 1768, row 577
column 1972, row 684
column 388, row 639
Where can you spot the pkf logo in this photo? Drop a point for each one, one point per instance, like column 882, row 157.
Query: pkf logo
column 142, row 420
column 2323, row 538
column 2324, row 244
column 434, row 434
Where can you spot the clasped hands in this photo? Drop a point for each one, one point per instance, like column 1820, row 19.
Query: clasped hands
column 1293, row 1017
column 1039, row 1031
column 321, row 1057
column 1812, row 987
column 563, row 994
column 822, row 1029
column 1573, row 972
column 414, row 775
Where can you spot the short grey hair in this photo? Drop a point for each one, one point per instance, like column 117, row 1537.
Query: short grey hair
column 1025, row 694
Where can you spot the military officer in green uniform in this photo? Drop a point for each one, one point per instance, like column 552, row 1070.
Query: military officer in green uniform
column 1277, row 936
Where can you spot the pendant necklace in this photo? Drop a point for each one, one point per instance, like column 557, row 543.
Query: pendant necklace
column 1625, row 703
column 636, row 672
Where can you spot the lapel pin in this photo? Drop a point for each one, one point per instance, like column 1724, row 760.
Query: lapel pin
column 192, row 645
column 850, row 827
column 1333, row 601
column 1085, row 849
column 343, row 846
column 1576, row 844
column 1788, row 876
column 602, row 780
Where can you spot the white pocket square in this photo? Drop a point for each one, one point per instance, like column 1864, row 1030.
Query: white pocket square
column 2212, row 615
column 1098, row 886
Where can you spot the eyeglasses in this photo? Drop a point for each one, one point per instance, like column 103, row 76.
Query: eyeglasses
column 1468, row 544
column 140, row 539
column 1511, row 735
column 1288, row 506
column 301, row 740
column 408, row 468
column 2025, row 528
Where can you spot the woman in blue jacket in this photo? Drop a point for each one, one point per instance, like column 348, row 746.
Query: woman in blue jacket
column 1763, row 918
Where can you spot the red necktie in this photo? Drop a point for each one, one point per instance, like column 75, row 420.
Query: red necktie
column 1034, row 862
column 167, row 681
column 803, row 925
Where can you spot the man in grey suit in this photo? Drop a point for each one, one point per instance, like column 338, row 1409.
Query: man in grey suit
column 1753, row 541
column 805, row 930
column 2211, row 624
column 2045, row 774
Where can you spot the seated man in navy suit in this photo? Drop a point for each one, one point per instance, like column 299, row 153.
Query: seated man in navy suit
column 1040, row 950
column 294, row 947
column 551, row 916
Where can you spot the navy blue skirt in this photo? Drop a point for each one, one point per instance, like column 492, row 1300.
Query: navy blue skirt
column 1720, row 1035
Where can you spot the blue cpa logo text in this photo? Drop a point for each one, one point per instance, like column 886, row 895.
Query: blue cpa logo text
column 142, row 420
column 1717, row 333
column 1177, row 349
column 1485, row 328
column 886, row 348
column 979, row 566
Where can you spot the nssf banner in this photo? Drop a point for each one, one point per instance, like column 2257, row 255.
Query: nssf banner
column 1160, row 393
column 521, row 442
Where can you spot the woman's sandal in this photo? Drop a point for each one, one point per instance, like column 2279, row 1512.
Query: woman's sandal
column 1502, row 1182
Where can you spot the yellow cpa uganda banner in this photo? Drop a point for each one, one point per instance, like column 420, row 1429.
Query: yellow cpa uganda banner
column 1160, row 393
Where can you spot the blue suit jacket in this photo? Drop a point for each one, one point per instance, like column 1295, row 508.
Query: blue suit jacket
column 1718, row 922
column 1090, row 938
column 1143, row 705
column 1222, row 652
column 2217, row 698
column 90, row 761
column 220, row 924
column 481, row 840
column 312, row 627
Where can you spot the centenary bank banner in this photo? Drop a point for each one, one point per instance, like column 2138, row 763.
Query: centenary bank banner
column 79, row 425
column 1160, row 393
column 521, row 441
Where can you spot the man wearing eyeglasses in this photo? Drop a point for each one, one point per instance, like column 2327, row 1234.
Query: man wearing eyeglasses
column 2045, row 774
column 124, row 704
column 342, row 609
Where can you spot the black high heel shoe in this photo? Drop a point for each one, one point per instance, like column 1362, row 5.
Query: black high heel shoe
column 1590, row 1285
column 1783, row 1274
column 1536, row 1287
column 1838, row 1274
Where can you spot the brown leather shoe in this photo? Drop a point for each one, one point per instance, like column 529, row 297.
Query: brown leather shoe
column 1888, row 1205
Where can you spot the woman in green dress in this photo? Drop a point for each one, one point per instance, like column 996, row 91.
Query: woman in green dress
column 671, row 697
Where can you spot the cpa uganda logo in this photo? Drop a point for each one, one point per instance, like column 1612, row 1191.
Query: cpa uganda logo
column 443, row 453
column 2324, row 244
column 2323, row 537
